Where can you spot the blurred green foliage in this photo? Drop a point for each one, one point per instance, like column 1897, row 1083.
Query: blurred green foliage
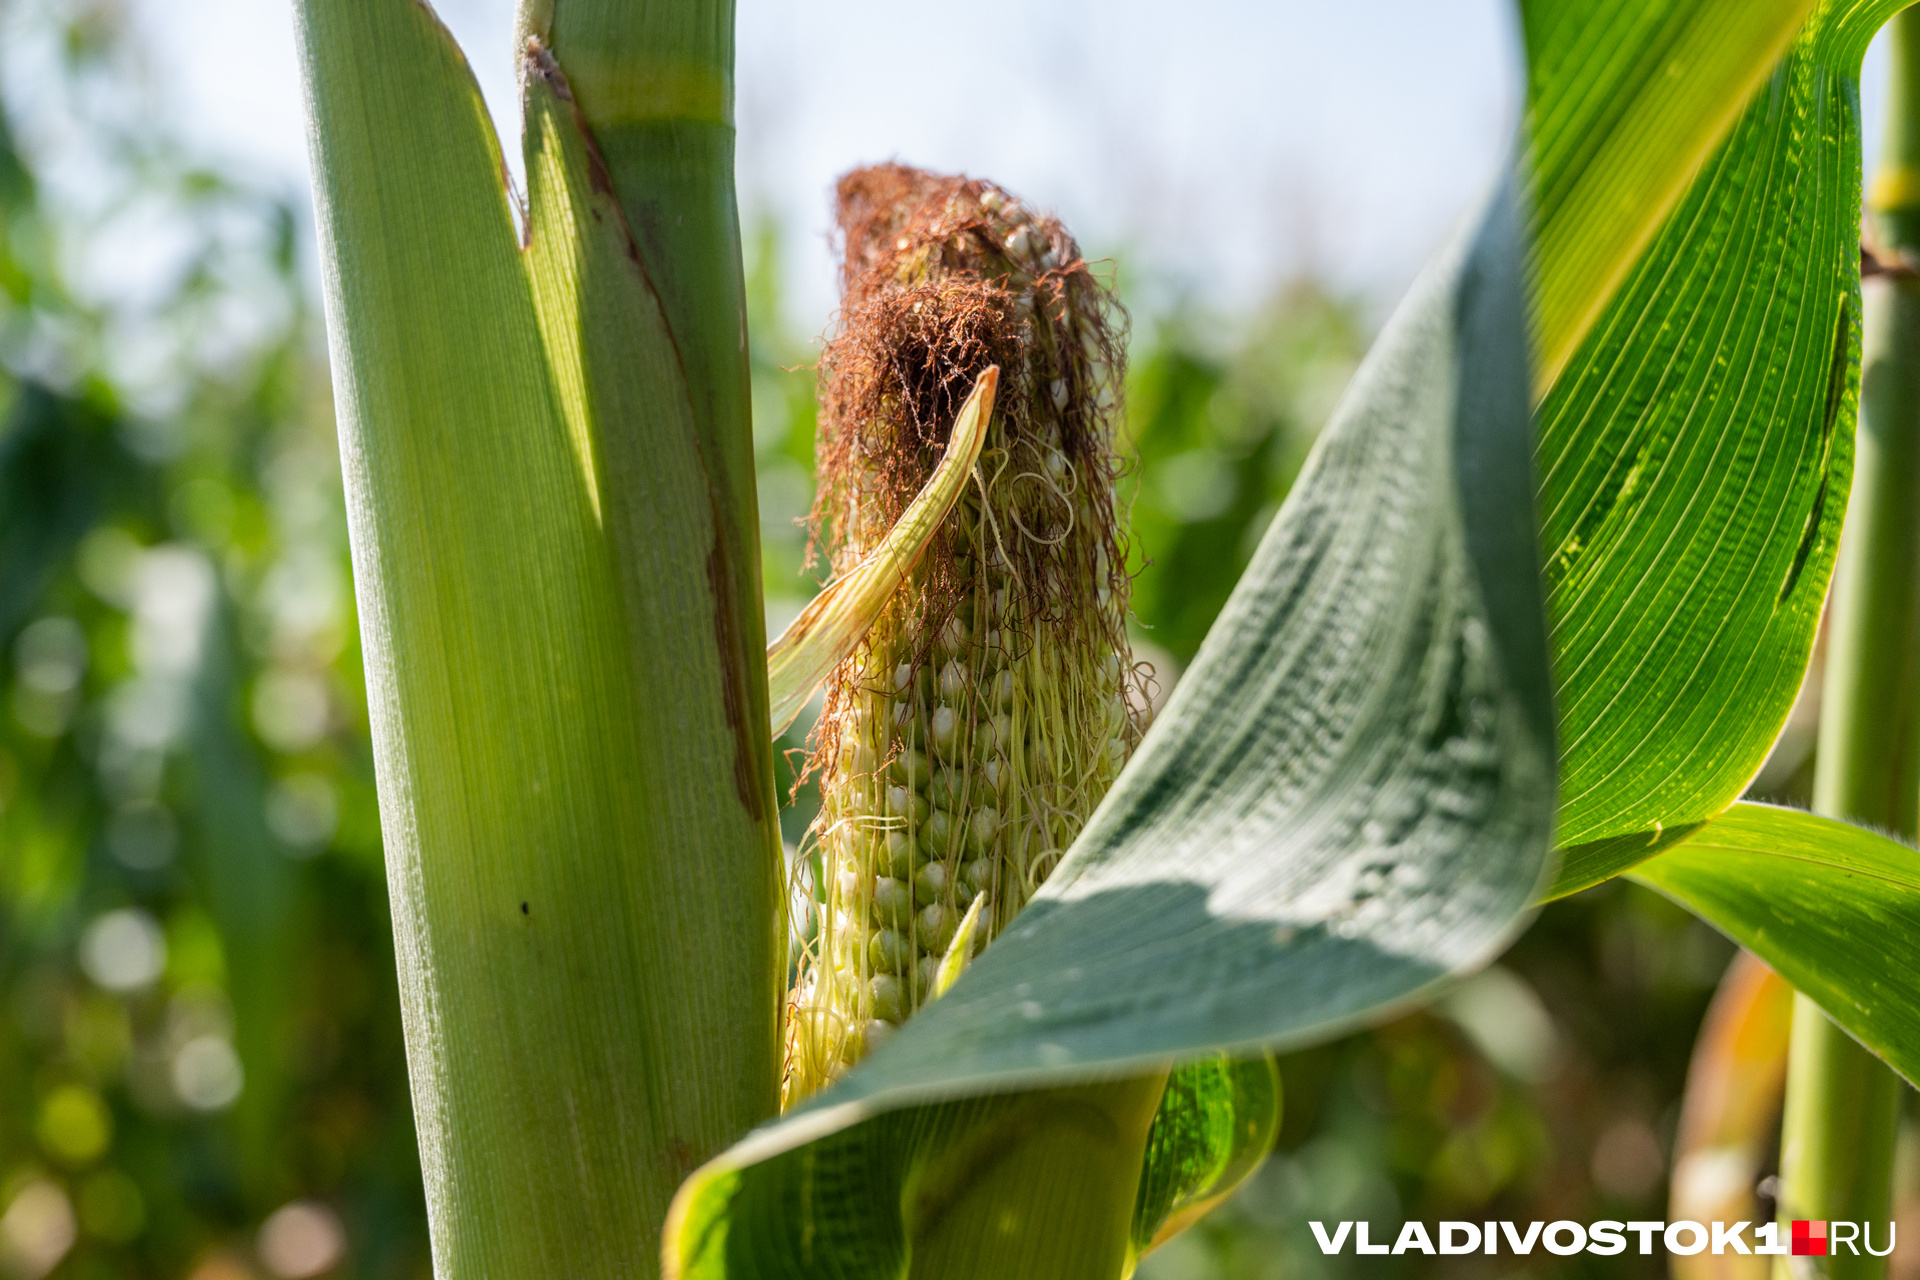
column 201, row 1070
column 198, row 1033
column 1217, row 430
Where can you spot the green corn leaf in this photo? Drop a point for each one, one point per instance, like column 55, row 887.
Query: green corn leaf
column 568, row 702
column 1212, row 1121
column 1695, row 460
column 883, row 1194
column 1625, row 101
column 1811, row 896
column 653, row 84
column 1348, row 798
column 1216, row 1122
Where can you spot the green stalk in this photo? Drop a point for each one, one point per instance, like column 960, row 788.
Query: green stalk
column 1842, row 1109
column 550, row 492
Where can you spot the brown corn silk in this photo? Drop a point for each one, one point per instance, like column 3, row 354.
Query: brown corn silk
column 966, row 743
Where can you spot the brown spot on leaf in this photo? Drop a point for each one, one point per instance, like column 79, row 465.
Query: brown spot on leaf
column 733, row 678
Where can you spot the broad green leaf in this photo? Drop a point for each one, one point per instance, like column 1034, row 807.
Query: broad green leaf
column 1348, row 798
column 1834, row 908
column 834, row 622
column 1695, row 459
column 1626, row 99
column 575, row 781
column 1216, row 1122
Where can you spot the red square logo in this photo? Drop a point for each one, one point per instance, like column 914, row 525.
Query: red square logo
column 1809, row 1238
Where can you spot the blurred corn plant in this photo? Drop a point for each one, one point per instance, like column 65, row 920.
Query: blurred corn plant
column 1540, row 585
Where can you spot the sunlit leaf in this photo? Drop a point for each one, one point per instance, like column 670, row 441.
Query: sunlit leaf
column 1812, row 896
column 1695, row 459
column 1216, row 1123
column 960, row 950
column 568, row 722
column 1626, row 100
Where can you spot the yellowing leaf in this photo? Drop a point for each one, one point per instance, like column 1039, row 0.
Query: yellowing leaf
column 830, row 628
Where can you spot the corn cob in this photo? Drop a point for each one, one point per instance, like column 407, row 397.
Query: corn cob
column 964, row 745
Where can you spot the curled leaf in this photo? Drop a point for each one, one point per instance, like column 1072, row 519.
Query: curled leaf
column 833, row 623
column 1216, row 1122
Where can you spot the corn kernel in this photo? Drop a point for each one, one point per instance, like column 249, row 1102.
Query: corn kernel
column 889, row 999
column 930, row 886
column 889, row 950
column 892, row 901
column 933, row 927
